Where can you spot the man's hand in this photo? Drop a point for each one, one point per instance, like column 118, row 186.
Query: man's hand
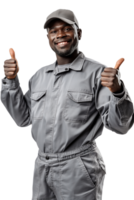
column 109, row 77
column 10, row 66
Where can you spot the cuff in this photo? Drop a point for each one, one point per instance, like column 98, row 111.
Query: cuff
column 10, row 83
column 119, row 95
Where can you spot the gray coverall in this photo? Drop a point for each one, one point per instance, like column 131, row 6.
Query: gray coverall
column 68, row 108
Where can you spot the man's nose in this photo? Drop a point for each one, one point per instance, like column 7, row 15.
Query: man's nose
column 60, row 33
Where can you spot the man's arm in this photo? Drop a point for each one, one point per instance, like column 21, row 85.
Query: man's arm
column 17, row 104
column 116, row 109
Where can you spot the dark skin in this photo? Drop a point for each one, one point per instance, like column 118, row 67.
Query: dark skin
column 59, row 31
column 67, row 54
column 109, row 77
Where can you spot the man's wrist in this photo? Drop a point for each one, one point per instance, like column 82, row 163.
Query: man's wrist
column 119, row 90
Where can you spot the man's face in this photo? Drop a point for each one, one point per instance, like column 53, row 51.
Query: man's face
column 63, row 37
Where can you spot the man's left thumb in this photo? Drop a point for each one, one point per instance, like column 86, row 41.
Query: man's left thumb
column 118, row 63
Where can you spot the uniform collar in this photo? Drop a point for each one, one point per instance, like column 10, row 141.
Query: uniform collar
column 75, row 65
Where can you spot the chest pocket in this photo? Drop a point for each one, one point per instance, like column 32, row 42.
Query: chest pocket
column 38, row 104
column 77, row 106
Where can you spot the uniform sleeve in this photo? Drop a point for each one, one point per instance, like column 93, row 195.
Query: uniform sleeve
column 17, row 104
column 115, row 109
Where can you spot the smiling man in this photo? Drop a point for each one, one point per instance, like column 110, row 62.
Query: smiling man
column 68, row 104
column 66, row 47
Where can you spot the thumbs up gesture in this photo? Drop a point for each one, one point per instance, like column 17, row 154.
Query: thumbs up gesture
column 109, row 77
column 11, row 66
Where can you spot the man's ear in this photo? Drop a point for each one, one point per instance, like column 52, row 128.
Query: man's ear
column 47, row 36
column 80, row 33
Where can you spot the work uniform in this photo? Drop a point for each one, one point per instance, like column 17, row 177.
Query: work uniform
column 68, row 108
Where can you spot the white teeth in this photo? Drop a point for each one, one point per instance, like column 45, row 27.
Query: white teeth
column 62, row 42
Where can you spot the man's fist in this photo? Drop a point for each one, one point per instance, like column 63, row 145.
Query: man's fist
column 109, row 77
column 11, row 66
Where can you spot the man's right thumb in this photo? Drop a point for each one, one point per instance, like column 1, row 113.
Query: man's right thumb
column 11, row 53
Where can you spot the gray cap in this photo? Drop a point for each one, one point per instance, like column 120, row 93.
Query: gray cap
column 65, row 15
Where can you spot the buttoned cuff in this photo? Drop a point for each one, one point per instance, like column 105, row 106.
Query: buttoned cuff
column 10, row 83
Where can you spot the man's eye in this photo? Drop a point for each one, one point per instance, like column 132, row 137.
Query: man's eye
column 68, row 28
column 55, row 31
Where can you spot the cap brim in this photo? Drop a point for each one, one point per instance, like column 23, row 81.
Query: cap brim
column 47, row 22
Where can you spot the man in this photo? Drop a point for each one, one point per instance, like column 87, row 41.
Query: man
column 68, row 104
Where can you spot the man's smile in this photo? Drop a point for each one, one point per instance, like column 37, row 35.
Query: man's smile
column 61, row 44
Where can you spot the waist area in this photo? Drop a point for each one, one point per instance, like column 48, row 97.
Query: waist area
column 54, row 158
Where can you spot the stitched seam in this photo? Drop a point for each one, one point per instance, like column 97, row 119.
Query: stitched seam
column 61, row 181
column 81, row 164
column 74, row 120
column 41, row 112
column 58, row 94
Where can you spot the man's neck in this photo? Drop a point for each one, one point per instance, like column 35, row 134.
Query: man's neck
column 63, row 61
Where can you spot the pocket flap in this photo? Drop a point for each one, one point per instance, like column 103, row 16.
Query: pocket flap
column 80, row 96
column 37, row 95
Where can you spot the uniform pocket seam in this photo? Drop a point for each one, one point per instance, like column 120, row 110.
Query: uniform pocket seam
column 82, row 165
column 88, row 97
column 38, row 98
column 78, row 101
